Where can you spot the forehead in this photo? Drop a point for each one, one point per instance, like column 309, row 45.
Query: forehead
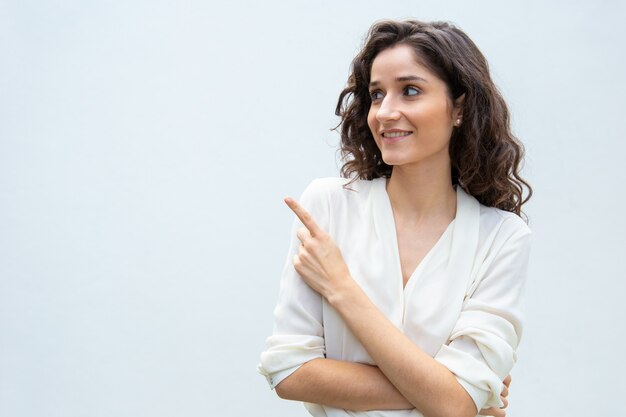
column 399, row 61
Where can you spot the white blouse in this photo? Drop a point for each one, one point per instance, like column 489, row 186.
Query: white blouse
column 461, row 305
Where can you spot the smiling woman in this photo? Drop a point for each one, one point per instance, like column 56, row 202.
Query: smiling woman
column 401, row 293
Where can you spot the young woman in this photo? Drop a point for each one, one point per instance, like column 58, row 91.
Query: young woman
column 401, row 294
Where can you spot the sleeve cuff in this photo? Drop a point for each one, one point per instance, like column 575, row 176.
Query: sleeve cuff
column 479, row 396
column 286, row 353
column 276, row 378
column 485, row 386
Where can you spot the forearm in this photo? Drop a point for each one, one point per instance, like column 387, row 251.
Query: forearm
column 341, row 384
column 423, row 381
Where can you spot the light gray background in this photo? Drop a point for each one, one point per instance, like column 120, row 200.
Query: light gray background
column 145, row 147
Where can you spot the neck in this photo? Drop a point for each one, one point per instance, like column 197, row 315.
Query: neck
column 422, row 192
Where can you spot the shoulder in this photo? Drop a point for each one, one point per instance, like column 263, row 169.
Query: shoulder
column 334, row 201
column 324, row 186
column 500, row 228
column 335, row 189
column 505, row 220
column 503, row 251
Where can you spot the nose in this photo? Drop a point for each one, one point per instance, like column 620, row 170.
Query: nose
column 388, row 110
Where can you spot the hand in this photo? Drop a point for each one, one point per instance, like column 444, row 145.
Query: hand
column 499, row 412
column 319, row 261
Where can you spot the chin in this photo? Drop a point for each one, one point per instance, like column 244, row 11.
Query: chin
column 394, row 160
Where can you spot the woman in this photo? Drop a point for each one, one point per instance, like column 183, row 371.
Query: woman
column 401, row 293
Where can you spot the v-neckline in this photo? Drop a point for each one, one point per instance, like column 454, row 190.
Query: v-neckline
column 394, row 237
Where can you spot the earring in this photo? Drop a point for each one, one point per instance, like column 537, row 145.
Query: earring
column 458, row 122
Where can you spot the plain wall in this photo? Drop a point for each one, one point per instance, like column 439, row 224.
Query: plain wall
column 145, row 147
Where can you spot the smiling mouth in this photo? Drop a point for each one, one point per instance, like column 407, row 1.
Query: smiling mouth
column 391, row 135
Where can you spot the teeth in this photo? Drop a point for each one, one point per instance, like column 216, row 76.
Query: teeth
column 395, row 134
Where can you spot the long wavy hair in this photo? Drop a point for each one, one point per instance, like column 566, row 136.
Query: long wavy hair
column 485, row 155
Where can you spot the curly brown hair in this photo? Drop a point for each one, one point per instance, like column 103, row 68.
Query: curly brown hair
column 484, row 153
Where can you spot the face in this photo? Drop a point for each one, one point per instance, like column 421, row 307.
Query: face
column 411, row 116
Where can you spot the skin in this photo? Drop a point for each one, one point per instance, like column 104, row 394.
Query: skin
column 411, row 118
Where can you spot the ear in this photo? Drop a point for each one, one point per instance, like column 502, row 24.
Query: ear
column 457, row 111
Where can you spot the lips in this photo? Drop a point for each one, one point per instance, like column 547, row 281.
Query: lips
column 395, row 135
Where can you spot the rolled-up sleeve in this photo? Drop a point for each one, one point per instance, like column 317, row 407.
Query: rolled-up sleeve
column 482, row 347
column 298, row 335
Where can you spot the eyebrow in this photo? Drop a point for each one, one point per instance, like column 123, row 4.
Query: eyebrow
column 402, row 79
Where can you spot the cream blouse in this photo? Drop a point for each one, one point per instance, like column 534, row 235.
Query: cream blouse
column 461, row 305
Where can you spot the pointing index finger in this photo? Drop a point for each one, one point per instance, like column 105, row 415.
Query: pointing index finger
column 304, row 216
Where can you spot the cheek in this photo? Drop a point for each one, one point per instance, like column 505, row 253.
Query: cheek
column 372, row 123
column 436, row 118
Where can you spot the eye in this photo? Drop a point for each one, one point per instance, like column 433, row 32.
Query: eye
column 411, row 91
column 376, row 95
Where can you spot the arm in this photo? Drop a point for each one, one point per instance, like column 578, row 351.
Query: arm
column 354, row 386
column 294, row 362
column 341, row 384
column 425, row 382
column 483, row 343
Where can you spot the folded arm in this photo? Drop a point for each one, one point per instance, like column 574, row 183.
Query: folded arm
column 341, row 384
column 354, row 386
column 427, row 384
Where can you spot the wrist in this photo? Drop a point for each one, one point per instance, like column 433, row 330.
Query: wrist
column 343, row 292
